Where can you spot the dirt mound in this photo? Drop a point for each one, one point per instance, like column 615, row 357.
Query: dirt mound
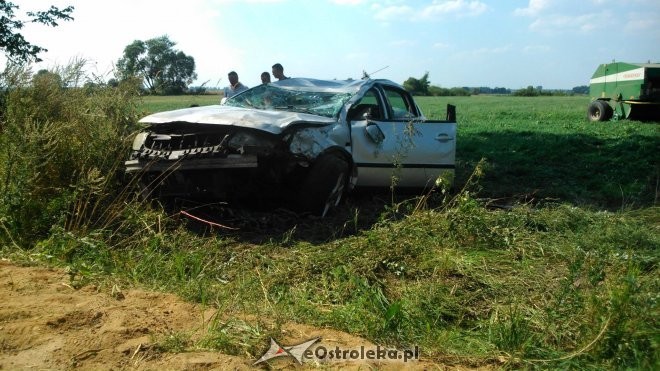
column 47, row 324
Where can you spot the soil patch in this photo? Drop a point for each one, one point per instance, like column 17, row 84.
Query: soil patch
column 45, row 323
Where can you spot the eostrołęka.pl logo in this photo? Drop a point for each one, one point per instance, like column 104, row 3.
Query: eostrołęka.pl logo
column 295, row 351
column 323, row 354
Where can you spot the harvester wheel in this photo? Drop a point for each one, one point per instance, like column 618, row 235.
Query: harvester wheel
column 599, row 111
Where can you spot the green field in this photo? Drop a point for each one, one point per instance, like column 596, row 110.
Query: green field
column 152, row 104
column 544, row 255
column 539, row 149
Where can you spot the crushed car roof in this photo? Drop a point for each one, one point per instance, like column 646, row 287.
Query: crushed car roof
column 267, row 120
column 271, row 121
column 335, row 86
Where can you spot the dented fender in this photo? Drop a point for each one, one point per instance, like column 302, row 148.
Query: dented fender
column 310, row 142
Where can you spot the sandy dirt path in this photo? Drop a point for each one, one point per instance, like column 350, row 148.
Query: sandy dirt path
column 47, row 324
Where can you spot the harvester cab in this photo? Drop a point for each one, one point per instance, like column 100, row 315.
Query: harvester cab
column 625, row 90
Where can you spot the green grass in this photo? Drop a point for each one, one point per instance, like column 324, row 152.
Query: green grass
column 545, row 255
column 154, row 103
column 539, row 149
column 543, row 148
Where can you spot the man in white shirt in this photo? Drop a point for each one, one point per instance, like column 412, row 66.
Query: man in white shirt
column 235, row 86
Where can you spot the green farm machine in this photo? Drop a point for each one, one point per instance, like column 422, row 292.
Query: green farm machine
column 625, row 90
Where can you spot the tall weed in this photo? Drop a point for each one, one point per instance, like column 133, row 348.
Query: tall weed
column 63, row 136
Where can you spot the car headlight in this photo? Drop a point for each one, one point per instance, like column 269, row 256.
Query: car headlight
column 139, row 140
column 247, row 139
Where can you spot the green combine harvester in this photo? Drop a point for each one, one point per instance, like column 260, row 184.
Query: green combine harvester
column 625, row 90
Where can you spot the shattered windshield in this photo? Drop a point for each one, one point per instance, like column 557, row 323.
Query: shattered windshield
column 270, row 97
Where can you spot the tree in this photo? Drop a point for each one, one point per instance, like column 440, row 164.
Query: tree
column 45, row 77
column 162, row 69
column 437, row 91
column 12, row 42
column 418, row 86
column 582, row 89
column 528, row 92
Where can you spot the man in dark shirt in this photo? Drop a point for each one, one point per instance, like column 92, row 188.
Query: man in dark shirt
column 278, row 72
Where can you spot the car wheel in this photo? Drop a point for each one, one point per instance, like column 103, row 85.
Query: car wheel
column 324, row 186
column 599, row 111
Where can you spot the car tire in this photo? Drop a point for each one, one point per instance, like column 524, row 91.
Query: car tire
column 324, row 185
column 599, row 111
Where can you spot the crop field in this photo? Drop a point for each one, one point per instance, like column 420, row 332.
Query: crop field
column 544, row 254
column 539, row 149
column 152, row 104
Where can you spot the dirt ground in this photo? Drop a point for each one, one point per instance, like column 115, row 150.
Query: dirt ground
column 47, row 324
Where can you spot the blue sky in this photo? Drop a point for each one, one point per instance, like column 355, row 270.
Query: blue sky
column 503, row 43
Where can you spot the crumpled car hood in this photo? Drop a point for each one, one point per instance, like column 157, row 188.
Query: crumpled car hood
column 271, row 121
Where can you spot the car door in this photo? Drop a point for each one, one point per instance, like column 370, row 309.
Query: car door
column 393, row 145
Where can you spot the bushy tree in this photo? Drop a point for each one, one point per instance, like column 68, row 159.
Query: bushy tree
column 527, row 92
column 418, row 86
column 163, row 69
column 12, row 42
column 437, row 91
column 582, row 89
column 45, row 77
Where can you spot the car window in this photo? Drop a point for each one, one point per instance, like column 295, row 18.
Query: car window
column 368, row 104
column 369, row 97
column 399, row 101
column 270, row 97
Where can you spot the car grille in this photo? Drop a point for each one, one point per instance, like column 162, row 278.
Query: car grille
column 178, row 142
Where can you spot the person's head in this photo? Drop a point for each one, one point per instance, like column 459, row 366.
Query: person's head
column 278, row 71
column 233, row 77
column 265, row 77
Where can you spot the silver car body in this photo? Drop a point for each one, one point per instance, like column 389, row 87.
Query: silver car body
column 375, row 126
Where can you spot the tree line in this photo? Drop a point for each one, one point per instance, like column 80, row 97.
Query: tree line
column 423, row 87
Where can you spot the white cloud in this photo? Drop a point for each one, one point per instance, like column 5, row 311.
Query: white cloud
column 347, row 2
column 565, row 23
column 435, row 10
column 441, row 45
column 534, row 8
column 642, row 23
column 560, row 16
column 456, row 7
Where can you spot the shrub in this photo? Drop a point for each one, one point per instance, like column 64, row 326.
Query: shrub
column 61, row 143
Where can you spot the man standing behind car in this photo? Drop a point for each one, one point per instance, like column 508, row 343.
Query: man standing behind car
column 265, row 78
column 235, row 86
column 278, row 72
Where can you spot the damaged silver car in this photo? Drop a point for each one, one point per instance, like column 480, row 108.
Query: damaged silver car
column 303, row 139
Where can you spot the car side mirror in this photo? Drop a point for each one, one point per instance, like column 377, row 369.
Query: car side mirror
column 374, row 133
